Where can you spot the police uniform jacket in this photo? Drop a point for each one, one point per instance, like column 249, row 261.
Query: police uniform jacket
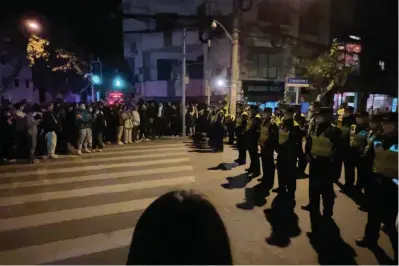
column 322, row 143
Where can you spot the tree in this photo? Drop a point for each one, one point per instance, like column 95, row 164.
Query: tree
column 57, row 59
column 326, row 71
column 52, row 67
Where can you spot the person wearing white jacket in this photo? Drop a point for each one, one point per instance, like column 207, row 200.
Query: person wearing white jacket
column 128, row 126
column 136, row 124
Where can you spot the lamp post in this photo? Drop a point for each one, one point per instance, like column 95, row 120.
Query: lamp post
column 235, row 66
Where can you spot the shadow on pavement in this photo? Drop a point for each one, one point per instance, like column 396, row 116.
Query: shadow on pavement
column 326, row 240
column 354, row 195
column 239, row 181
column 382, row 257
column 283, row 221
column 202, row 151
column 254, row 196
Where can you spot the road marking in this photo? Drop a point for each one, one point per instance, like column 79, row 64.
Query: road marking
column 73, row 214
column 112, row 151
column 90, row 191
column 45, row 182
column 84, row 159
column 139, row 147
column 91, row 167
column 67, row 249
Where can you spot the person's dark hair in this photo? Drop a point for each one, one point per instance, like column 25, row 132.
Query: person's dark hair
column 180, row 227
column 18, row 105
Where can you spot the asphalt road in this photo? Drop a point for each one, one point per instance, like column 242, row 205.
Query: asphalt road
column 82, row 210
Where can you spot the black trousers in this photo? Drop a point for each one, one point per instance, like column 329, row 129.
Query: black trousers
column 242, row 150
column 160, row 126
column 286, row 174
column 268, row 167
column 230, row 131
column 321, row 184
column 350, row 159
column 252, row 147
column 98, row 140
column 383, row 209
column 301, row 160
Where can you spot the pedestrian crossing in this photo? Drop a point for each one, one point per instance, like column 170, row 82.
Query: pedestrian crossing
column 80, row 209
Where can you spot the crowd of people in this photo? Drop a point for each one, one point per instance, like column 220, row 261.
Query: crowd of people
column 29, row 131
column 326, row 142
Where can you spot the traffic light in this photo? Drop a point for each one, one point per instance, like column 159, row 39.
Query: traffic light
column 96, row 72
column 118, row 82
column 96, row 79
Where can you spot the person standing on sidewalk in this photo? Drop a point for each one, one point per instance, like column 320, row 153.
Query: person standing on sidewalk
column 98, row 130
column 84, row 120
column 50, row 127
column 136, row 124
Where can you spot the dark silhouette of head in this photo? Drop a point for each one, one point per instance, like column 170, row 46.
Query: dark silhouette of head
column 180, row 227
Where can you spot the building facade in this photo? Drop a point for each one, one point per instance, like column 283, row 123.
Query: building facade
column 270, row 33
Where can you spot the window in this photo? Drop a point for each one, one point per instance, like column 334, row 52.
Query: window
column 16, row 83
column 27, row 84
column 164, row 69
column 263, row 65
column 274, row 11
column 310, row 19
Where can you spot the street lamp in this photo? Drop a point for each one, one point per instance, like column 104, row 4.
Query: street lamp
column 33, row 25
column 220, row 83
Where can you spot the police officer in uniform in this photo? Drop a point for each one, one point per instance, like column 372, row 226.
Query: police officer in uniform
column 301, row 120
column 212, row 120
column 321, row 152
column 358, row 143
column 289, row 135
column 368, row 158
column 252, row 132
column 384, row 193
column 267, row 142
column 241, row 124
column 218, row 129
column 348, row 120
column 230, row 124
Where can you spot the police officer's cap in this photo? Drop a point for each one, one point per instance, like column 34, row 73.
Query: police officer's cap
column 326, row 111
column 391, row 118
column 268, row 110
column 363, row 114
column 349, row 108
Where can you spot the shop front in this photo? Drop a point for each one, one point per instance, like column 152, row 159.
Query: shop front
column 263, row 93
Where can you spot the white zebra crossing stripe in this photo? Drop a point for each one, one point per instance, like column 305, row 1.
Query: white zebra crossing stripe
column 46, row 182
column 90, row 191
column 92, row 159
column 165, row 165
column 73, row 214
column 117, row 151
column 66, row 249
column 139, row 147
column 91, row 167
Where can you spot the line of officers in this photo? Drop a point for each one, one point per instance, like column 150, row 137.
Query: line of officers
column 369, row 144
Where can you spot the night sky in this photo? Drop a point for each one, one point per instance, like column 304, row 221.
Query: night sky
column 95, row 25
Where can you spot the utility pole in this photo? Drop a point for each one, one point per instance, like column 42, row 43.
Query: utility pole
column 235, row 66
column 183, row 85
column 206, row 72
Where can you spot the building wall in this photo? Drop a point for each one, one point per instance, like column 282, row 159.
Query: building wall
column 146, row 49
